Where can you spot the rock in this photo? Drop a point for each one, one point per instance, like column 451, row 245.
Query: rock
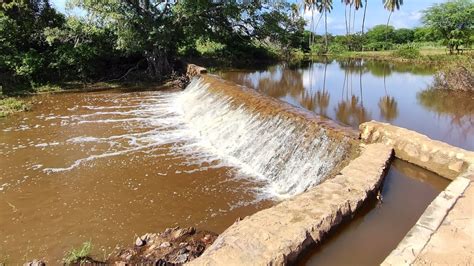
column 182, row 251
column 165, row 245
column 140, row 242
column 195, row 70
column 172, row 246
column 35, row 263
column 182, row 258
column 183, row 231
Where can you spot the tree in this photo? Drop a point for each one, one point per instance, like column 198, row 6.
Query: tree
column 325, row 6
column 363, row 18
column 80, row 49
column 425, row 34
column 453, row 21
column 24, row 53
column 380, row 33
column 403, row 36
column 392, row 5
column 282, row 26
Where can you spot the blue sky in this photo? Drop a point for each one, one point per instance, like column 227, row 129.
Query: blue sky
column 407, row 17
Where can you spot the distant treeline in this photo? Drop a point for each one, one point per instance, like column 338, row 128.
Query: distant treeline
column 112, row 40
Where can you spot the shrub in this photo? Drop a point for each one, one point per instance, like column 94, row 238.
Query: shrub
column 337, row 48
column 378, row 46
column 317, row 49
column 455, row 77
column 78, row 255
column 12, row 105
column 297, row 55
column 47, row 88
column 409, row 51
column 209, row 48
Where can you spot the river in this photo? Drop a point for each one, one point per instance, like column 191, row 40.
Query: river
column 108, row 166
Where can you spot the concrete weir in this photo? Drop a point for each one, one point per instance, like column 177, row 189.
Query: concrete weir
column 442, row 235
column 277, row 235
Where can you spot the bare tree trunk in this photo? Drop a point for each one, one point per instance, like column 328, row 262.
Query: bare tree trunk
column 353, row 20
column 158, row 64
column 345, row 16
column 386, row 29
column 363, row 19
column 311, row 39
column 326, row 28
column 350, row 15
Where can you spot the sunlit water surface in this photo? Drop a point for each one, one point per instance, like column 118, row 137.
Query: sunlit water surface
column 355, row 91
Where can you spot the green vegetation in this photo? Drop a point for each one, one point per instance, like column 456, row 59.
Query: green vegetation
column 48, row 88
column 12, row 105
column 79, row 255
column 147, row 40
column 453, row 21
column 142, row 40
column 409, row 51
column 455, row 76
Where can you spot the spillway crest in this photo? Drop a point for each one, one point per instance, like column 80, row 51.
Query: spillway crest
column 288, row 148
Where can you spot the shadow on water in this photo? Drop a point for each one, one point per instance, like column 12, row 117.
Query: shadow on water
column 377, row 228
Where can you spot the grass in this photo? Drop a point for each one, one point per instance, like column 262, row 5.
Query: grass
column 12, row 105
column 79, row 254
column 47, row 88
column 433, row 56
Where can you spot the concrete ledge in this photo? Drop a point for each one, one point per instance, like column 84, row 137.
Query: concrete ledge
column 279, row 234
column 416, row 239
column 193, row 70
column 436, row 156
column 448, row 161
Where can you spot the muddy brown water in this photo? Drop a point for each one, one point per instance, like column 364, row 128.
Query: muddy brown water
column 378, row 227
column 100, row 167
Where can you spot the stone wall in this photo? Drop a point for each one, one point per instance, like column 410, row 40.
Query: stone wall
column 277, row 235
column 436, row 156
column 424, row 243
column 194, row 70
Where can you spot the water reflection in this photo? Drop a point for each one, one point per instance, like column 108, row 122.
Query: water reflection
column 458, row 107
column 354, row 91
column 388, row 108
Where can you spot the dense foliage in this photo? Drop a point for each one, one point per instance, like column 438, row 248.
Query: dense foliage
column 453, row 21
column 118, row 39
column 146, row 39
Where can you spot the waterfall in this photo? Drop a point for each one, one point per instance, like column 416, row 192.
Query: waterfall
column 289, row 149
column 211, row 124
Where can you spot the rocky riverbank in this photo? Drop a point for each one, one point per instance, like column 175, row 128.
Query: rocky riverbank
column 174, row 246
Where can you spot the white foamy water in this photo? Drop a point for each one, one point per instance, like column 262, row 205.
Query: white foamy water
column 285, row 153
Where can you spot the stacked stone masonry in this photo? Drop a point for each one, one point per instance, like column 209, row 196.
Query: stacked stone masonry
column 277, row 235
column 444, row 233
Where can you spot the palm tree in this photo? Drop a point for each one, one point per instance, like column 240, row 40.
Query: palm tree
column 391, row 5
column 363, row 19
column 310, row 5
column 348, row 25
column 357, row 6
column 324, row 6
